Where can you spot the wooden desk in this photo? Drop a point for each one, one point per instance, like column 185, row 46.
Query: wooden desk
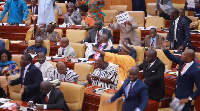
column 92, row 100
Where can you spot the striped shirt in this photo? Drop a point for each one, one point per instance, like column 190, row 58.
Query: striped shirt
column 70, row 75
column 109, row 72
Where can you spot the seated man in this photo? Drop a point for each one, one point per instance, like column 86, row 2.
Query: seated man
column 87, row 21
column 72, row 16
column 44, row 66
column 153, row 72
column 96, row 32
column 49, row 98
column 57, row 7
column 65, row 49
column 63, row 73
column 105, row 75
column 153, row 40
column 2, row 45
column 37, row 47
column 46, row 33
column 135, row 92
column 33, row 7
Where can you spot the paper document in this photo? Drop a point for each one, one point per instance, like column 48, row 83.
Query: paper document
column 175, row 105
column 121, row 18
column 191, row 4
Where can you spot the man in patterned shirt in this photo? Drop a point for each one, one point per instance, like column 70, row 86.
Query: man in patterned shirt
column 63, row 73
column 105, row 75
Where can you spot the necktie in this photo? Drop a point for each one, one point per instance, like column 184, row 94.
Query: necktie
column 182, row 68
column 130, row 88
column 46, row 99
column 98, row 35
column 152, row 43
column 63, row 51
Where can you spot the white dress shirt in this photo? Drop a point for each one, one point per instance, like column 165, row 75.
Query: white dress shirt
column 151, row 64
column 187, row 66
column 100, row 33
column 175, row 28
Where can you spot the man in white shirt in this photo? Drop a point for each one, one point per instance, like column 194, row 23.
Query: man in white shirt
column 63, row 73
column 45, row 12
column 44, row 66
column 65, row 49
column 49, row 98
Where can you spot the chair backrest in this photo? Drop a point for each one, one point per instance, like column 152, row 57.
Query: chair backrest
column 56, row 16
column 17, row 59
column 115, row 106
column 164, row 59
column 5, row 19
column 28, row 21
column 139, row 17
column 140, row 54
column 178, row 6
column 155, row 21
column 119, row 8
column 7, row 43
column 197, row 55
column 2, row 80
column 60, row 32
column 151, row 7
column 79, row 48
column 14, row 91
column 82, row 70
column 46, row 43
column 73, row 94
column 107, row 17
column 53, row 63
column 163, row 34
column 139, row 32
column 76, row 35
column 194, row 19
column 63, row 7
column 29, row 34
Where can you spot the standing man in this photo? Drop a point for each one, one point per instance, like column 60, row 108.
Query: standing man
column 30, row 78
column 179, row 31
column 46, row 12
column 135, row 92
column 164, row 13
column 34, row 7
column 153, row 72
column 188, row 75
column 139, row 5
column 18, row 11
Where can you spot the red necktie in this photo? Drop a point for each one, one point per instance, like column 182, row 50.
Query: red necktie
column 46, row 99
column 152, row 43
column 130, row 88
column 182, row 68
column 98, row 35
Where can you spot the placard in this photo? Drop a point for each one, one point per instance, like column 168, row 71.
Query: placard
column 121, row 18
column 191, row 4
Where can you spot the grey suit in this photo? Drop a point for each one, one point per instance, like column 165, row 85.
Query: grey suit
column 92, row 35
column 147, row 40
column 76, row 17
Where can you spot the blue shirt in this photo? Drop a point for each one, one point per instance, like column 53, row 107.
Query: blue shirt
column 2, row 45
column 152, row 41
column 18, row 11
column 38, row 49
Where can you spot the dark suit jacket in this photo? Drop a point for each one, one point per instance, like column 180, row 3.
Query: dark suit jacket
column 182, row 32
column 2, row 45
column 185, row 83
column 2, row 93
column 56, row 100
column 138, row 97
column 36, row 10
column 32, row 81
column 92, row 35
column 147, row 40
column 154, row 79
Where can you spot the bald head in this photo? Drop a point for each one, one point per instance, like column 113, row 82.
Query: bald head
column 98, row 25
column 61, row 67
column 64, row 42
column 41, row 57
column 38, row 42
column 188, row 55
column 103, row 39
column 45, row 87
column 133, row 73
column 151, row 55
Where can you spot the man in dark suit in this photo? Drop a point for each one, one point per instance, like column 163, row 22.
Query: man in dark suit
column 2, row 45
column 153, row 72
column 96, row 32
column 33, row 7
column 179, row 31
column 153, row 40
column 2, row 93
column 135, row 92
column 30, row 78
column 49, row 98
column 139, row 5
column 188, row 74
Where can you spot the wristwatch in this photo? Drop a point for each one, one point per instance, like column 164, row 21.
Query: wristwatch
column 190, row 98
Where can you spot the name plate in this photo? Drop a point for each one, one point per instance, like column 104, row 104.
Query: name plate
column 22, row 24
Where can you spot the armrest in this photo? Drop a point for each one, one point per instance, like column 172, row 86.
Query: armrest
column 29, row 34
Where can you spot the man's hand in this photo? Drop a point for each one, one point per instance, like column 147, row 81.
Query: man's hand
column 23, row 21
column 94, row 48
column 180, row 48
column 32, row 51
column 40, row 106
column 95, row 77
column 183, row 101
column 105, row 102
column 128, row 23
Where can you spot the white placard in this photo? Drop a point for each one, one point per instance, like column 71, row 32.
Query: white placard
column 165, row 7
column 121, row 18
column 191, row 3
column 175, row 105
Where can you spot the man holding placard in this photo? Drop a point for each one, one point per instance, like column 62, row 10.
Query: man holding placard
column 127, row 27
